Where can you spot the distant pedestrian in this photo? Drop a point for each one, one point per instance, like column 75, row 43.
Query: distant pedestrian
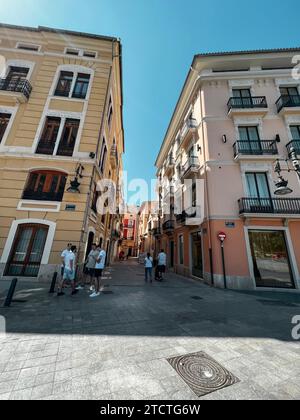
column 63, row 255
column 148, row 267
column 70, row 270
column 99, row 268
column 161, row 264
column 91, row 264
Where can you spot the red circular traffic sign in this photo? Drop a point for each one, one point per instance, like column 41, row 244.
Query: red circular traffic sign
column 222, row 236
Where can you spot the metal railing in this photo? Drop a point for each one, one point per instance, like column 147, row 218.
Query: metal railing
column 287, row 101
column 190, row 124
column 192, row 163
column 295, row 144
column 255, row 147
column 270, row 205
column 43, row 196
column 156, row 231
column 22, row 86
column 188, row 213
column 169, row 225
column 247, row 102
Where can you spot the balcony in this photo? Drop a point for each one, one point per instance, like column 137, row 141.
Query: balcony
column 270, row 206
column 114, row 157
column 288, row 104
column 191, row 166
column 295, row 144
column 189, row 129
column 43, row 196
column 170, row 166
column 156, row 231
column 190, row 216
column 247, row 105
column 245, row 148
column 169, row 226
column 20, row 89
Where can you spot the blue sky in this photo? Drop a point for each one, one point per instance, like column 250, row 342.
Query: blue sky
column 159, row 40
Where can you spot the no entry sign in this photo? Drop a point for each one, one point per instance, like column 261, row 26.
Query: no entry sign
column 222, row 236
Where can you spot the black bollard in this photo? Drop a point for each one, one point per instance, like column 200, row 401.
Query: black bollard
column 53, row 284
column 10, row 293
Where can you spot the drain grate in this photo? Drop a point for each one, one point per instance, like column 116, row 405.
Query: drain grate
column 202, row 373
column 196, row 297
column 278, row 303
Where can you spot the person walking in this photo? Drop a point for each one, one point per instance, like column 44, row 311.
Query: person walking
column 70, row 270
column 91, row 264
column 161, row 264
column 99, row 267
column 63, row 255
column 148, row 267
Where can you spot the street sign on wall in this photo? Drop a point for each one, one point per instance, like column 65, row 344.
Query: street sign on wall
column 222, row 236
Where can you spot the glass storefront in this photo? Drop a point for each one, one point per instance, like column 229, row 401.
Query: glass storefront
column 271, row 262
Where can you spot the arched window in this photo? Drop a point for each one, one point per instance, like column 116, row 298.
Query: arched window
column 45, row 186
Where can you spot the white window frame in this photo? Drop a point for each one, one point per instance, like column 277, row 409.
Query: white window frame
column 28, row 44
column 20, row 63
column 101, row 156
column 75, row 69
column 81, row 52
column 63, row 117
column 13, row 112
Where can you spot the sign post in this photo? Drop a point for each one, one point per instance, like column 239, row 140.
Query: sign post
column 222, row 237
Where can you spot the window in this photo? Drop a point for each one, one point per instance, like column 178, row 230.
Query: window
column 181, row 251
column 68, row 138
column 64, row 84
column 4, row 120
column 103, row 155
column 295, row 130
column 81, row 86
column 72, row 51
column 95, row 199
column 16, row 75
column 27, row 250
column 48, row 142
column 90, row 54
column 45, row 186
column 257, row 184
column 249, row 137
column 49, row 136
column 109, row 113
column 28, row 47
column 289, row 91
column 241, row 93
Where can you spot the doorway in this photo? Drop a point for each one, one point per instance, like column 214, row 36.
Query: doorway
column 197, row 259
column 172, row 254
column 27, row 251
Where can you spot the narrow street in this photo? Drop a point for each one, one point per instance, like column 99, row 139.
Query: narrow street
column 117, row 346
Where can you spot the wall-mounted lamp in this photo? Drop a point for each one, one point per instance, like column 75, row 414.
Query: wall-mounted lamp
column 92, row 155
column 75, row 184
column 224, row 138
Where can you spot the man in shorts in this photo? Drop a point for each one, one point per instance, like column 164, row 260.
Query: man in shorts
column 162, row 264
column 70, row 270
column 91, row 264
column 100, row 265
column 63, row 255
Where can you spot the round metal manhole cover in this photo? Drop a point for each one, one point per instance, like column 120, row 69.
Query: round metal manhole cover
column 202, row 373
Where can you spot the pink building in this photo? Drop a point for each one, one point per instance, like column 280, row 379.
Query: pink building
column 237, row 114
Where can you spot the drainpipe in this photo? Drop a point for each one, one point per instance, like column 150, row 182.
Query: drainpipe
column 206, row 187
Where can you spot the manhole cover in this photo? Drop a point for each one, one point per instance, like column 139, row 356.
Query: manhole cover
column 278, row 303
column 202, row 373
column 197, row 298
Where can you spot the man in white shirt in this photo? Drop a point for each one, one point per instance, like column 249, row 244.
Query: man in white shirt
column 70, row 269
column 63, row 255
column 148, row 267
column 162, row 264
column 100, row 265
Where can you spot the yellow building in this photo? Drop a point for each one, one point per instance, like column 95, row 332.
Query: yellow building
column 60, row 126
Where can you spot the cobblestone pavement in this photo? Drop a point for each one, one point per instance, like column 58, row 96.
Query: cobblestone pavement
column 116, row 346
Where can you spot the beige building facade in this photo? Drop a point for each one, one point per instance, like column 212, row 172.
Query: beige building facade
column 61, row 133
column 237, row 115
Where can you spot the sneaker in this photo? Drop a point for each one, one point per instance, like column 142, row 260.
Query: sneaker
column 92, row 288
column 93, row 295
column 60, row 294
column 79, row 288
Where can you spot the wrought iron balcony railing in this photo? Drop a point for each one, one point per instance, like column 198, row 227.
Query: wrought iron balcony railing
column 169, row 225
column 156, row 231
column 43, row 196
column 255, row 147
column 270, row 205
column 191, row 164
column 295, row 144
column 287, row 101
column 187, row 214
column 22, row 86
column 247, row 102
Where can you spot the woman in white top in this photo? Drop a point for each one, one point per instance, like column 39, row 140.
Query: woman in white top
column 148, row 267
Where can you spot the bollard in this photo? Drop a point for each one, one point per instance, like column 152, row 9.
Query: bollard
column 10, row 293
column 52, row 288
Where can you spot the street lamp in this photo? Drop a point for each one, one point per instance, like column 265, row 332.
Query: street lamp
column 282, row 187
column 75, row 184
